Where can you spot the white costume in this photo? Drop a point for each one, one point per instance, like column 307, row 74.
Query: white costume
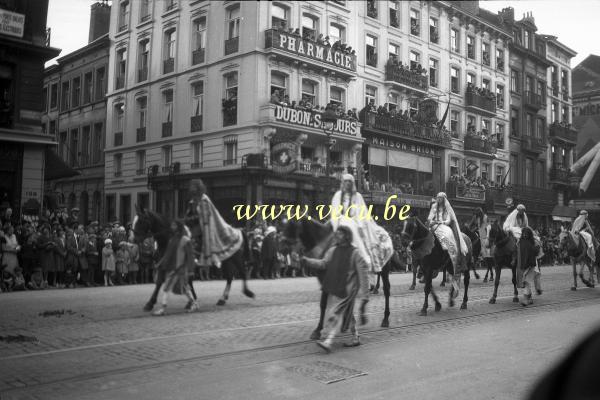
column 514, row 224
column 483, row 228
column 374, row 243
column 580, row 226
column 444, row 223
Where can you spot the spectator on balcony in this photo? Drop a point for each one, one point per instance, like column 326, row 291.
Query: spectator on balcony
column 275, row 99
column 320, row 39
column 297, row 32
column 327, row 41
column 282, row 26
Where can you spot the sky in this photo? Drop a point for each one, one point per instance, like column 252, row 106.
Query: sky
column 574, row 22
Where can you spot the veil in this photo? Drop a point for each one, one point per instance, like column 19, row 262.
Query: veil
column 511, row 220
column 578, row 224
column 453, row 221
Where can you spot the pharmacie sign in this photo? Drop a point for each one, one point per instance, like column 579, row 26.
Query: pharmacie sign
column 313, row 120
column 297, row 45
column 403, row 146
column 11, row 23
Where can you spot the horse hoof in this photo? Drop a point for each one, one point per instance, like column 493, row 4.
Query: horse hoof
column 249, row 293
column 438, row 307
column 573, row 288
column 515, row 299
column 463, row 306
column 385, row 323
column 423, row 313
column 221, row 302
column 148, row 307
column 443, row 284
column 315, row 335
column 412, row 287
column 484, row 280
column 477, row 276
column 451, row 302
column 493, row 300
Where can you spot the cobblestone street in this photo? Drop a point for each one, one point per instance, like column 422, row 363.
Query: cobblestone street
column 98, row 343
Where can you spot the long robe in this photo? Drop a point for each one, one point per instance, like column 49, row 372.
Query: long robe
column 447, row 232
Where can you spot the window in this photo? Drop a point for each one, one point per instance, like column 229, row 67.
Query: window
column 470, row 167
column 553, row 112
column 565, row 114
column 514, row 170
column 166, row 155
column 433, row 72
column 372, row 9
column 123, row 15
column 392, row 101
column 485, row 171
column 499, row 174
column 539, row 178
column 140, row 162
column 337, row 32
column 233, row 23
column 62, row 146
column 74, row 148
column 336, row 96
column 230, row 101
column 143, row 57
column 279, row 85
column 170, row 5
column 434, row 36
column 309, row 27
column 528, row 172
column 470, row 47
column 485, row 126
column 52, row 128
column 45, row 99
column 415, row 28
column 539, row 130
column 119, row 117
column 528, row 84
column 500, row 60
column 64, row 99
column 197, row 148
column 500, row 96
column 168, row 106
column 144, row 10
column 454, row 118
column 471, row 121
column 88, row 87
column 86, row 145
column 309, row 92
column 393, row 51
column 98, row 145
column 413, row 106
column 454, row 80
column 485, row 83
column 485, row 53
column 514, row 81
column 100, row 89
column 230, row 150
column 279, row 17
column 142, row 109
column 500, row 135
column 371, row 51
column 53, row 96
column 514, row 122
column 121, row 68
column 454, row 166
column 454, row 45
column 111, row 207
column 197, row 98
column 118, row 164
column 415, row 59
column 526, row 39
column 395, row 14
column 528, row 125
column 370, row 95
column 76, row 92
column 169, row 51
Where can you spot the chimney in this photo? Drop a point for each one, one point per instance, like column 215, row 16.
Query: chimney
column 468, row 6
column 99, row 20
column 507, row 15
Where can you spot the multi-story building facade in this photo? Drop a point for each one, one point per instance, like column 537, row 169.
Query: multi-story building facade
column 75, row 114
column 24, row 149
column 562, row 135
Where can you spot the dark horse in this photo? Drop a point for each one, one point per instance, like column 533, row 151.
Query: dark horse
column 503, row 248
column 427, row 249
column 316, row 238
column 577, row 252
column 148, row 223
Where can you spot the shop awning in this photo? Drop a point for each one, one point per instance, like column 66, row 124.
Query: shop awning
column 57, row 168
column 563, row 213
column 13, row 135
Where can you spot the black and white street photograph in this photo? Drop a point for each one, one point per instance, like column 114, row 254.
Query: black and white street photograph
column 322, row 200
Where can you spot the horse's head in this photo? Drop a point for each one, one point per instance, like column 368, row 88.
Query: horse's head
column 313, row 236
column 496, row 232
column 142, row 224
column 566, row 240
column 412, row 228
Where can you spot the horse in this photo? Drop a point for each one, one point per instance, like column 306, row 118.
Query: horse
column 316, row 238
column 503, row 248
column 427, row 249
column 149, row 223
column 577, row 252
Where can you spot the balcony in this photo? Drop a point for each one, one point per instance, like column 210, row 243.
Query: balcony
column 406, row 129
column 168, row 65
column 142, row 74
column 140, row 134
column 140, row 171
column 257, row 160
column 232, row 45
column 464, row 192
column 478, row 101
column 533, row 144
column 405, row 78
column 120, row 84
column 500, row 64
column 7, row 111
column 294, row 49
column 198, row 56
column 232, row 161
column 533, row 100
column 372, row 60
column 118, row 174
column 196, row 165
column 563, row 132
column 166, row 169
column 560, row 175
column 479, row 144
column 196, row 123
column 167, row 129
column 118, row 139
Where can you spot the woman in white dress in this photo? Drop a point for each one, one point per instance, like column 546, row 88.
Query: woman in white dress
column 582, row 226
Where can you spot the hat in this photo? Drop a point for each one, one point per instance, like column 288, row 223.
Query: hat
column 121, row 229
column 74, row 209
column 122, row 243
column 442, row 194
column 94, row 223
column 108, row 241
column 348, row 177
column 270, row 229
column 521, row 207
column 583, row 212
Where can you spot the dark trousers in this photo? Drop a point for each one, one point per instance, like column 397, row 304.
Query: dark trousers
column 268, row 270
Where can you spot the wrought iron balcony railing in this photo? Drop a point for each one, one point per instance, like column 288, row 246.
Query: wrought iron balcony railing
column 168, row 65
column 167, row 129
column 563, row 132
column 533, row 144
column 533, row 100
column 232, row 45
column 198, row 56
column 118, row 138
column 560, row 174
column 477, row 143
column 140, row 134
column 406, row 129
column 196, row 123
column 406, row 77
column 481, row 103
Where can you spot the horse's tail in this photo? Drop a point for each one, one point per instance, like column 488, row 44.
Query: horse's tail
column 246, row 247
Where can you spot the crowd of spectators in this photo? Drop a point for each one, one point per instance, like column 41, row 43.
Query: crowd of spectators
column 482, row 92
column 306, row 105
column 309, row 34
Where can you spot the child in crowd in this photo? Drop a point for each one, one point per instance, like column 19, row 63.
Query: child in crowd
column 134, row 255
column 108, row 262
column 122, row 261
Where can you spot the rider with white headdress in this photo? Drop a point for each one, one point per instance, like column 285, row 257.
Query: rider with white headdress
column 372, row 241
column 582, row 226
column 444, row 225
column 516, row 221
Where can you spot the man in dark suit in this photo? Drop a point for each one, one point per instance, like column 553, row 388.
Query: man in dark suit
column 72, row 259
column 82, row 263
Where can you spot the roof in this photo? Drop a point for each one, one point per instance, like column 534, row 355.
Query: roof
column 554, row 40
column 586, row 75
column 56, row 168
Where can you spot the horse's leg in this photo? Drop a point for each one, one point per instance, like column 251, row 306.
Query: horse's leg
column 227, row 270
column 498, row 269
column 160, row 278
column 514, row 282
column 467, row 280
column 438, row 305
column 443, row 284
column 385, row 277
column 240, row 264
column 376, row 289
column 474, row 267
column 316, row 334
column 574, row 287
column 487, row 270
column 414, row 274
column 427, row 276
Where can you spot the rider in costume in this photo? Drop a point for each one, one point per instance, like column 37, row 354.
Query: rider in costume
column 481, row 223
column 583, row 227
column 516, row 221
